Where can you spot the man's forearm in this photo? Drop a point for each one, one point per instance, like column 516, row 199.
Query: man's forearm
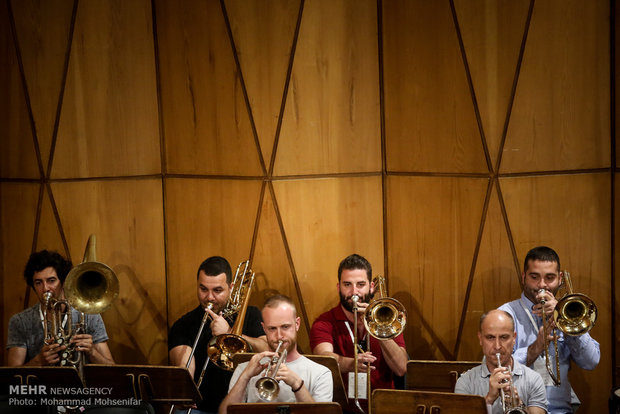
column 395, row 356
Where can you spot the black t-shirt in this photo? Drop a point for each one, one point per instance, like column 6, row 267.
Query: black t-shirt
column 214, row 385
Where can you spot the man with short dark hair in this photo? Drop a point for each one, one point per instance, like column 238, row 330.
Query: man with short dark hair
column 541, row 279
column 299, row 378
column 497, row 335
column 332, row 332
column 213, row 287
column 45, row 273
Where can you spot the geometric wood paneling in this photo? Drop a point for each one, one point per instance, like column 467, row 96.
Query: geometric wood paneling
column 207, row 129
column 430, row 123
column 18, row 157
column 330, row 122
column 432, row 227
column 560, row 119
column 109, row 125
column 263, row 39
column 43, row 31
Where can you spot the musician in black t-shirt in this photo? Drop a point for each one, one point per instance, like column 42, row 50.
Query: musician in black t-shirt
column 214, row 281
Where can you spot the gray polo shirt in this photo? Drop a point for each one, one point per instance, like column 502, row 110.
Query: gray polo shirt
column 528, row 382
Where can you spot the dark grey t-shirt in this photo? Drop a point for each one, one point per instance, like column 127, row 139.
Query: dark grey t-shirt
column 26, row 330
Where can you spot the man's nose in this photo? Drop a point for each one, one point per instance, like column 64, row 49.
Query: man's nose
column 498, row 345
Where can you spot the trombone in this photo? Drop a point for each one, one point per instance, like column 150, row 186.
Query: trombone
column 222, row 348
column 267, row 385
column 509, row 407
column 574, row 314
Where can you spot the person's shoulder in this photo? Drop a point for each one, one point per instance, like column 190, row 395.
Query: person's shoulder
column 26, row 313
column 329, row 315
column 189, row 316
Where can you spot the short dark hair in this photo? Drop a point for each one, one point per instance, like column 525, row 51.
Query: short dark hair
column 215, row 265
column 355, row 261
column 42, row 260
column 543, row 254
column 484, row 316
column 277, row 299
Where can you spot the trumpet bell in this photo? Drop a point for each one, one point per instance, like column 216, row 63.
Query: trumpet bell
column 385, row 318
column 575, row 314
column 267, row 388
column 222, row 348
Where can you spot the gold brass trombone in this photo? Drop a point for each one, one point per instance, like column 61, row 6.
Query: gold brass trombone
column 222, row 348
column 385, row 318
column 574, row 314
column 267, row 385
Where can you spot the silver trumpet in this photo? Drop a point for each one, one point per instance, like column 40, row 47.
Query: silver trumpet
column 267, row 386
column 509, row 407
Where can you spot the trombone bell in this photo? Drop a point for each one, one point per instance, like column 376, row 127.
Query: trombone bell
column 575, row 314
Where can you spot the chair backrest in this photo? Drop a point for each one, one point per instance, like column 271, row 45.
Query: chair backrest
column 437, row 376
column 426, row 402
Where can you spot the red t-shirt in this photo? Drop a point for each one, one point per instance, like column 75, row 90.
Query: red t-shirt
column 332, row 327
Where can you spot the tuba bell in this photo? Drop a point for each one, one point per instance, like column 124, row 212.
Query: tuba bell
column 90, row 288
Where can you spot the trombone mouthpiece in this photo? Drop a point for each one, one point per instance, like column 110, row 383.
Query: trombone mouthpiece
column 209, row 306
column 499, row 362
column 355, row 298
column 540, row 292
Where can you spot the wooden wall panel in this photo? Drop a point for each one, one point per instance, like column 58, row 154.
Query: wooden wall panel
column 560, row 118
column 18, row 204
column 331, row 119
column 432, row 227
column 126, row 217
column 495, row 278
column 273, row 272
column 109, row 123
column 326, row 220
column 207, row 129
column 492, row 34
column 43, row 31
column 571, row 214
column 17, row 152
column 263, row 38
column 430, row 123
column 205, row 218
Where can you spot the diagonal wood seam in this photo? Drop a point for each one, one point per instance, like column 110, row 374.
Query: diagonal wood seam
column 44, row 179
column 493, row 171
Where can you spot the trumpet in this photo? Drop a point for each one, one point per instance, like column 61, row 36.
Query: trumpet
column 267, row 385
column 509, row 407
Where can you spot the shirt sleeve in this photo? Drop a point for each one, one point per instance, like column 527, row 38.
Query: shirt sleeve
column 462, row 386
column 584, row 350
column 321, row 331
column 178, row 336
column 16, row 337
column 96, row 327
column 537, row 393
column 253, row 323
column 323, row 387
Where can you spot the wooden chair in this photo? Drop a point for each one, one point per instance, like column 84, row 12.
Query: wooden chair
column 426, row 402
column 439, row 376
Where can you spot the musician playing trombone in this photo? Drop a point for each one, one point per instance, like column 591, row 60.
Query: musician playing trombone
column 299, row 379
column 213, row 286
column 45, row 273
column 541, row 279
column 332, row 333
column 500, row 374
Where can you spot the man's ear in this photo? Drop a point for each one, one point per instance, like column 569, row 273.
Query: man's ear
column 297, row 323
column 480, row 338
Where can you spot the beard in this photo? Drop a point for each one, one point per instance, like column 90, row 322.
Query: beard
column 347, row 303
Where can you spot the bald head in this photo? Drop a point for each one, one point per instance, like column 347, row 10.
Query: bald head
column 495, row 316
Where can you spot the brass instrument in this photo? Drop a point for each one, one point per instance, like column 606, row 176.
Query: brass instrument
column 355, row 299
column 90, row 288
column 267, row 385
column 385, row 317
column 555, row 375
column 509, row 406
column 222, row 348
column 574, row 314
